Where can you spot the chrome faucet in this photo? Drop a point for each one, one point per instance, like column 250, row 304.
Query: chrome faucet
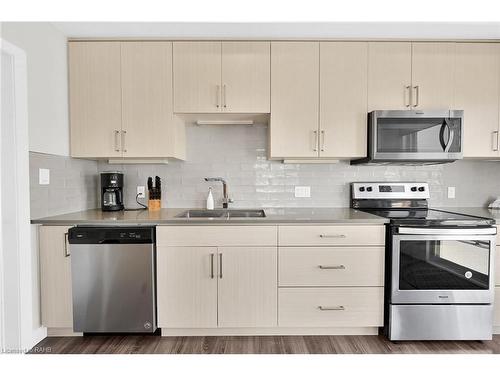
column 225, row 199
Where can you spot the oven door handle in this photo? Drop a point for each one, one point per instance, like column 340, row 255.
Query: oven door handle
column 472, row 231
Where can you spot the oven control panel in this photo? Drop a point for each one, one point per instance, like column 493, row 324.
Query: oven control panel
column 390, row 190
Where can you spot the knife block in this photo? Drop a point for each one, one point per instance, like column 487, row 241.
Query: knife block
column 154, row 204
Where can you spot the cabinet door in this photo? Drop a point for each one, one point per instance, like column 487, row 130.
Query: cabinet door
column 389, row 75
column 246, row 77
column 55, row 277
column 477, row 93
column 433, row 71
column 147, row 99
column 247, row 286
column 294, row 99
column 343, row 99
column 95, row 99
column 187, row 287
column 197, row 77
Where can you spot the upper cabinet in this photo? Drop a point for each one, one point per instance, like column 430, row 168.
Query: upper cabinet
column 477, row 93
column 121, row 101
column 432, row 75
column 214, row 77
column 318, row 100
column 294, row 99
column 343, row 99
column 410, row 75
column 95, row 99
column 389, row 75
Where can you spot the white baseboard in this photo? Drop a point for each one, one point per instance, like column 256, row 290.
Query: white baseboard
column 280, row 331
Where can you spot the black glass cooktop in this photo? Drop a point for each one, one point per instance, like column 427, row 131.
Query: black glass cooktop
column 424, row 217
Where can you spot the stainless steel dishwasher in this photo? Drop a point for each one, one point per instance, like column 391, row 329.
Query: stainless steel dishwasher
column 113, row 279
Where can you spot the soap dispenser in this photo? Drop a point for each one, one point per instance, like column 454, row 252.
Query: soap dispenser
column 210, row 199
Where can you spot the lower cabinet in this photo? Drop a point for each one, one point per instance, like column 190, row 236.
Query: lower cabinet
column 55, row 277
column 209, row 287
column 331, row 307
column 496, row 316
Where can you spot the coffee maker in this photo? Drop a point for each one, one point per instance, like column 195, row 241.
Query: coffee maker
column 112, row 191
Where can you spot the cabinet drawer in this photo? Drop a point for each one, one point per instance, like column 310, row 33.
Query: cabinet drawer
column 231, row 235
column 340, row 307
column 319, row 266
column 318, row 235
column 496, row 315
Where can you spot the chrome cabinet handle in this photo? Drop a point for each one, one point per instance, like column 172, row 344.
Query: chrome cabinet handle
column 408, row 90
column 117, row 149
column 66, row 252
column 218, row 97
column 331, row 308
column 220, row 265
column 417, row 95
column 124, row 133
column 494, row 143
column 339, row 267
column 224, row 96
column 315, row 142
column 332, row 236
column 212, row 265
column 322, row 141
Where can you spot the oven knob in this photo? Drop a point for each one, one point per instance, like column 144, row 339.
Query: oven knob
column 421, row 188
column 361, row 188
column 369, row 188
column 413, row 188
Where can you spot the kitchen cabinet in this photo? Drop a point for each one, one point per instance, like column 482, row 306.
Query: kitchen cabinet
column 121, row 101
column 95, row 99
column 187, row 287
column 214, row 77
column 212, row 281
column 343, row 99
column 477, row 92
column 330, row 276
column 55, row 277
column 432, row 75
column 247, row 286
column 149, row 128
column 246, row 77
column 294, row 100
column 389, row 75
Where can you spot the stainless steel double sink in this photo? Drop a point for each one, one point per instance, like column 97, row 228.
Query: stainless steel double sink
column 222, row 214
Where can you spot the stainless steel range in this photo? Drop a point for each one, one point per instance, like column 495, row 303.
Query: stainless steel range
column 439, row 265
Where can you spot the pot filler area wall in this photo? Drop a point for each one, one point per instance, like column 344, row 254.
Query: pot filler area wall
column 239, row 154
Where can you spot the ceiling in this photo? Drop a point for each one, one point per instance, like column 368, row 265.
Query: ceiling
column 289, row 30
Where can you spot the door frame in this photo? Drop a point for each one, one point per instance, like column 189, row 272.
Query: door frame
column 18, row 331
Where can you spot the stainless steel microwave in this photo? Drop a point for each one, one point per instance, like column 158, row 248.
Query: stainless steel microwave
column 414, row 137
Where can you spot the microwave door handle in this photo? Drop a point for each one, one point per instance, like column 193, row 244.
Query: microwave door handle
column 451, row 133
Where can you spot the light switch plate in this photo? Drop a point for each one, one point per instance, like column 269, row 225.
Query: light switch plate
column 141, row 190
column 451, row 192
column 43, row 176
column 302, row 192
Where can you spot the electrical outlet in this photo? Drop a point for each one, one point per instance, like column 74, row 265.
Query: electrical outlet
column 43, row 176
column 451, row 192
column 302, row 192
column 141, row 190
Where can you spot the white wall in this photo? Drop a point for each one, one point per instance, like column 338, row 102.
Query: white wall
column 45, row 48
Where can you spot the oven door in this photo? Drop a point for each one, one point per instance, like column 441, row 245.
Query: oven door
column 416, row 135
column 442, row 268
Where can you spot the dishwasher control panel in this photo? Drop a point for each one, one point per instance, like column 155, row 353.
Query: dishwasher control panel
column 111, row 235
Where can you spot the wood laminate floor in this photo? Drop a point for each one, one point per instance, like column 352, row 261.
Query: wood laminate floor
column 258, row 345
